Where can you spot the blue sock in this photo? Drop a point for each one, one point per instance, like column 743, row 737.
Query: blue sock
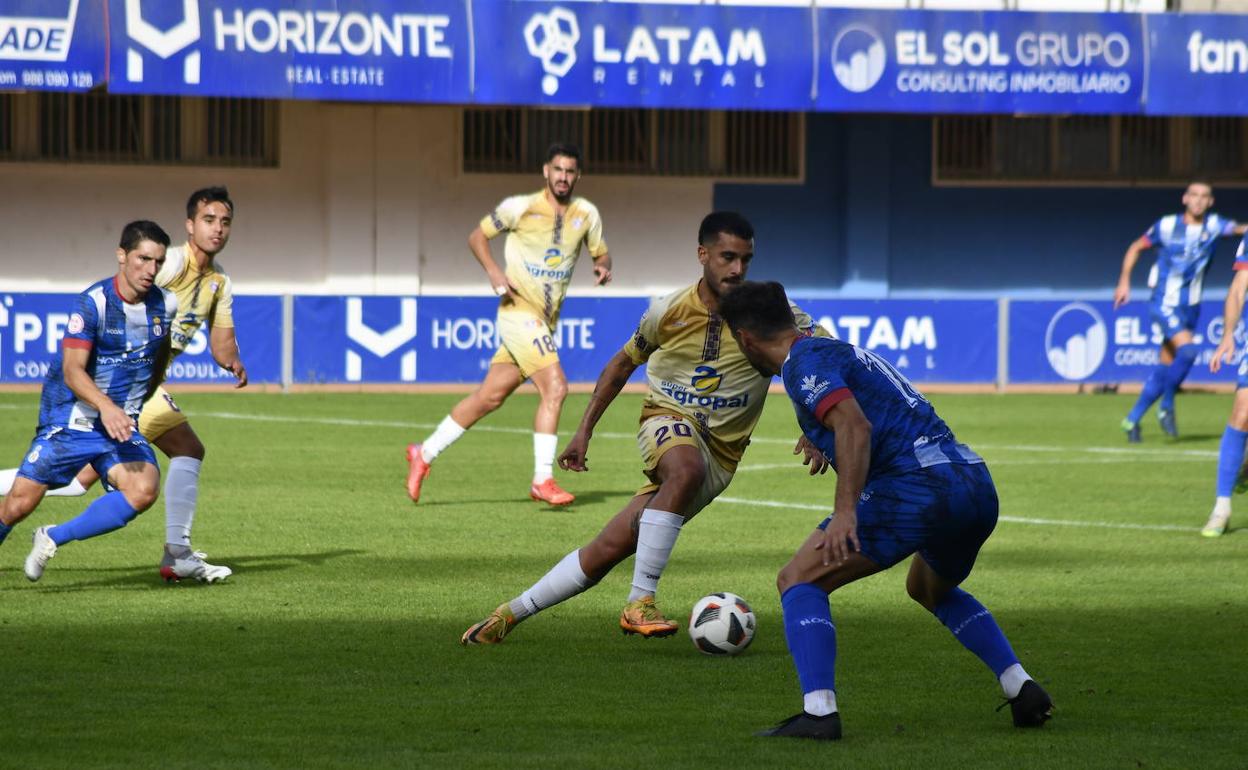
column 1230, row 458
column 811, row 636
column 1175, row 373
column 1154, row 386
column 973, row 626
column 5, row 529
column 109, row 512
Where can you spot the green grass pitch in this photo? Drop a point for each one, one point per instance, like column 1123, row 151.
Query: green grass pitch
column 335, row 644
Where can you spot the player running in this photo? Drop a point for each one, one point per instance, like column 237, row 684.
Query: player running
column 1185, row 244
column 545, row 231
column 704, row 402
column 204, row 295
column 1231, row 451
column 904, row 485
column 115, row 350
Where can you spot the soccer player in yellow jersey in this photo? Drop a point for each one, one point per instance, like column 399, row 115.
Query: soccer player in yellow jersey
column 204, row 296
column 705, row 399
column 545, row 231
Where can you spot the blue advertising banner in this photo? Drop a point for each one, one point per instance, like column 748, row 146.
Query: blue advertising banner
column 1071, row 342
column 640, row 55
column 984, row 61
column 365, row 50
column 1198, row 64
column 52, row 45
column 927, row 340
column 441, row 339
column 32, row 325
column 452, row 339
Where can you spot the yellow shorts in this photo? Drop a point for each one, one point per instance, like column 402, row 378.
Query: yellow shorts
column 525, row 340
column 160, row 415
column 664, row 431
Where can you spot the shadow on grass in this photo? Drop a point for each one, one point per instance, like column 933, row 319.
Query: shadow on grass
column 582, row 498
column 146, row 578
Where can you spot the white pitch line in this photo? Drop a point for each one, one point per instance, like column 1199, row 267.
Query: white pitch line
column 1012, row 519
column 1127, row 453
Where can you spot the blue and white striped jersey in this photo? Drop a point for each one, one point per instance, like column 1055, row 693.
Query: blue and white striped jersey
column 125, row 341
column 1183, row 255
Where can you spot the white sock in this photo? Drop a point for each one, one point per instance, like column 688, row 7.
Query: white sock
column 72, row 489
column 1222, row 505
column 447, row 433
column 544, row 446
column 565, row 580
column 7, row 476
column 1012, row 680
column 819, row 703
column 181, row 495
column 655, row 539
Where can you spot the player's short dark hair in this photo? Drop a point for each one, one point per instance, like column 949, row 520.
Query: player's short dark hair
column 142, row 230
column 208, row 195
column 729, row 222
column 565, row 149
column 1199, row 180
column 759, row 307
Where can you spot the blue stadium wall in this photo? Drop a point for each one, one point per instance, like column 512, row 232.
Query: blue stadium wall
column 868, row 222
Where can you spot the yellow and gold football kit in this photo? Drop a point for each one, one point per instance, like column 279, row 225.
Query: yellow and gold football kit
column 203, row 295
column 541, row 251
column 703, row 391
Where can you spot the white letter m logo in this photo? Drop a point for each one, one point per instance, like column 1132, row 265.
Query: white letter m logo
column 163, row 44
column 381, row 344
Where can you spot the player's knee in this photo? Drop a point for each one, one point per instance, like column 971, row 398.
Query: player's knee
column 787, row 577
column 490, row 401
column 556, row 392
column 684, row 478
column 141, row 490
column 921, row 591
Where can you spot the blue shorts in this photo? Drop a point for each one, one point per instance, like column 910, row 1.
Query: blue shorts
column 1173, row 319
column 56, row 456
column 943, row 512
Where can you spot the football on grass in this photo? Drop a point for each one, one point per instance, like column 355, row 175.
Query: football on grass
column 721, row 624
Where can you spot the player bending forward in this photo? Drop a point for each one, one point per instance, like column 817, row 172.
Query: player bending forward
column 704, row 401
column 115, row 350
column 904, row 485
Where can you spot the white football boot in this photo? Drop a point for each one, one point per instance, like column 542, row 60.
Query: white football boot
column 192, row 565
column 42, row 550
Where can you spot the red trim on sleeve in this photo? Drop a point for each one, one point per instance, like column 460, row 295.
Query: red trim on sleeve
column 1239, row 265
column 72, row 342
column 832, row 399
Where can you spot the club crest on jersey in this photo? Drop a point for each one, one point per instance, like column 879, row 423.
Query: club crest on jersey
column 553, row 258
column 706, row 379
column 75, row 324
column 577, row 222
column 213, row 287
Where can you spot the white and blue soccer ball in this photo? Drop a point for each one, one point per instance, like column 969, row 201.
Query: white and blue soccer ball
column 721, row 624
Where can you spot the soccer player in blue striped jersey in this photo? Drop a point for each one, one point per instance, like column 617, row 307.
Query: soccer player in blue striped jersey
column 1231, row 452
column 904, row 485
column 114, row 353
column 1185, row 244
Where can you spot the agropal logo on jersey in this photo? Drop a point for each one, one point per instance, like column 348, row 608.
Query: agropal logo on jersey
column 858, row 58
column 643, row 55
column 703, row 391
column 1076, row 341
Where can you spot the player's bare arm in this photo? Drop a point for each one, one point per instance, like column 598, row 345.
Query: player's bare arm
column 224, row 345
column 602, row 270
column 116, row 422
column 1122, row 294
column 1240, row 229
column 480, row 246
column 853, row 459
column 1231, row 313
column 610, row 382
